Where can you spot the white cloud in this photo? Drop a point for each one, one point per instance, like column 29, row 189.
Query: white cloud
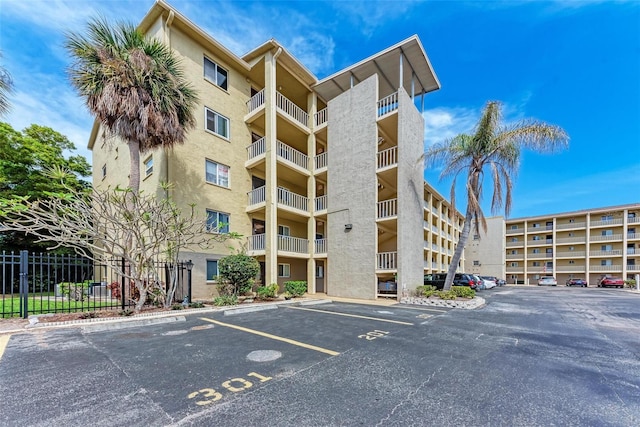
column 444, row 123
column 370, row 15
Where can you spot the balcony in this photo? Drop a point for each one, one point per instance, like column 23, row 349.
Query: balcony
column 256, row 101
column 320, row 161
column 292, row 156
column 571, row 225
column 571, row 254
column 293, row 244
column 514, row 244
column 633, row 220
column 578, row 239
column 388, row 105
column 608, row 238
column 633, row 236
column 320, row 246
column 388, row 209
column 539, row 229
column 256, row 197
column 515, row 256
column 617, row 268
column 321, row 205
column 633, row 267
column 571, row 268
column 388, row 158
column 515, row 231
column 615, row 252
column 320, row 118
column 607, row 222
column 257, row 149
column 292, row 110
column 256, row 243
column 386, row 261
column 292, row 200
column 539, row 256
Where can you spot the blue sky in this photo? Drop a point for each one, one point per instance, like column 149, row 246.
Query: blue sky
column 571, row 63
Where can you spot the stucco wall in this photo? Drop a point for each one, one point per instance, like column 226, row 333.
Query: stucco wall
column 410, row 194
column 352, row 140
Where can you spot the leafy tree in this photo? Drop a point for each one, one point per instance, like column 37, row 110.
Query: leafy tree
column 134, row 86
column 111, row 225
column 240, row 270
column 25, row 158
column 6, row 86
column 495, row 147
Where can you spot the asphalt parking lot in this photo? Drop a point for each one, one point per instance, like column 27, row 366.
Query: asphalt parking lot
column 565, row 356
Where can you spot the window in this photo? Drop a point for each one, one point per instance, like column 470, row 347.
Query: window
column 514, row 251
column 217, row 123
column 476, row 262
column 148, row 166
column 607, row 217
column 570, row 234
column 104, row 171
column 284, row 270
column 607, row 232
column 212, row 269
column 514, row 227
column 217, row 222
column 572, row 248
column 319, row 271
column 606, row 248
column 536, row 238
column 572, row 220
column 514, row 239
column 536, row 263
column 549, row 264
column 216, row 173
column 536, row 251
column 549, row 251
column 215, row 74
column 631, row 215
column 283, row 230
column 536, row 225
column 605, row 262
column 514, row 264
column 571, row 262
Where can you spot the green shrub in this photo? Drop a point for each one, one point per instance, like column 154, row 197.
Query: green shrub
column 449, row 295
column 88, row 315
column 196, row 305
column 295, row 288
column 225, row 300
column 425, row 291
column 630, row 283
column 223, row 286
column 463, row 291
column 267, row 292
column 176, row 307
column 240, row 271
column 126, row 312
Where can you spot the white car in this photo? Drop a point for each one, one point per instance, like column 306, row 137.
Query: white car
column 489, row 282
column 547, row 281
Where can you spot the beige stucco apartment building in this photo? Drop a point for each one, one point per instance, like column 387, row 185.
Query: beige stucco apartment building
column 587, row 244
column 322, row 177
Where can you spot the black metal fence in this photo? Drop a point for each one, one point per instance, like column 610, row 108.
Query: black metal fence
column 50, row 283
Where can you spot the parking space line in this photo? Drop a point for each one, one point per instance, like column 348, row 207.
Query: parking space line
column 4, row 340
column 425, row 309
column 352, row 315
column 273, row 337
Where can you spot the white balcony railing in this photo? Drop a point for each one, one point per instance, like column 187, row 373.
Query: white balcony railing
column 293, row 244
column 596, row 267
column 614, row 252
column 320, row 117
column 387, row 260
column 292, row 109
column 577, row 239
column 633, row 220
column 256, row 101
column 388, row 157
column 571, row 268
column 257, row 195
column 256, row 242
column 256, row 149
column 571, row 254
column 321, row 203
column 617, row 221
column 633, row 236
column 571, row 225
column 292, row 200
column 606, row 238
column 320, row 160
column 633, row 267
column 387, row 208
column 388, row 104
column 292, row 155
column 321, row 246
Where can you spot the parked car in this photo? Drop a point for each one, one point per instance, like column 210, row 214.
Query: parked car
column 460, row 279
column 616, row 282
column 547, row 281
column 489, row 282
column 576, row 282
column 501, row 282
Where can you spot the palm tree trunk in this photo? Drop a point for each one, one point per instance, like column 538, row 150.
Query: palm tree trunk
column 457, row 255
column 134, row 167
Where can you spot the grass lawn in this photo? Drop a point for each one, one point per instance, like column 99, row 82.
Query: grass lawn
column 42, row 304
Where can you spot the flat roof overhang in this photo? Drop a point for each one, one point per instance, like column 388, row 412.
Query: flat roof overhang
column 416, row 70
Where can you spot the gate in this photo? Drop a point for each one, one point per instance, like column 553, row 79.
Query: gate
column 51, row 283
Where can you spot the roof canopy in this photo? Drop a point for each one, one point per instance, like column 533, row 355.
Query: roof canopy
column 415, row 67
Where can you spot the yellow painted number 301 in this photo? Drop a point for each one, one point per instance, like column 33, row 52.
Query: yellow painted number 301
column 234, row 385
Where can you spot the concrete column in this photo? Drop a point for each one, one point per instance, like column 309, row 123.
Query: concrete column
column 271, row 176
column 312, row 108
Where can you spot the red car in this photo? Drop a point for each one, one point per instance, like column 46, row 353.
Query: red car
column 616, row 282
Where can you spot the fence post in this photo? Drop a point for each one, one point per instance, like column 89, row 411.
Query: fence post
column 24, row 284
column 122, row 294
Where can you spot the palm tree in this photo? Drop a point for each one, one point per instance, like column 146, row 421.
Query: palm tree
column 6, row 86
column 496, row 147
column 134, row 86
